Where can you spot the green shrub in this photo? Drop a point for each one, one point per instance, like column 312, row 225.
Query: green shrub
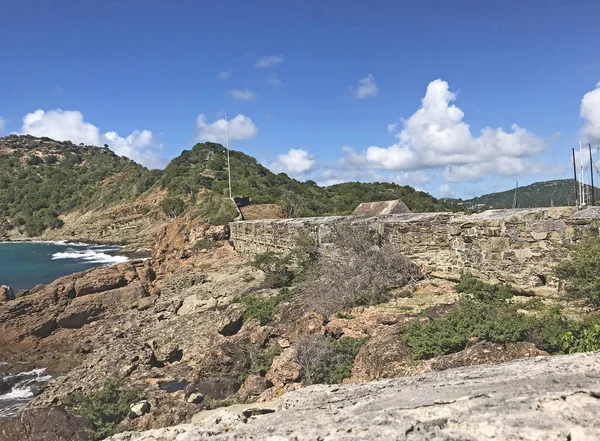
column 172, row 207
column 325, row 360
column 104, row 408
column 483, row 313
column 263, row 308
column 276, row 267
column 478, row 290
column 584, row 338
column 259, row 308
column 581, row 271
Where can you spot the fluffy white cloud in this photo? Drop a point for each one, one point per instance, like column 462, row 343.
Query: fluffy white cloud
column 590, row 112
column 243, row 94
column 436, row 136
column 2, row 124
column 445, row 190
column 225, row 74
column 69, row 125
column 240, row 127
column 295, row 163
column 274, row 80
column 61, row 125
column 366, row 88
column 268, row 61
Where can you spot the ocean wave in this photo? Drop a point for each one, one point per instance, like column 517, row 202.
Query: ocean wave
column 90, row 256
column 20, row 393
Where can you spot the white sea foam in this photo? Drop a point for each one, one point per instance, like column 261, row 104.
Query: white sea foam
column 91, row 256
column 21, row 394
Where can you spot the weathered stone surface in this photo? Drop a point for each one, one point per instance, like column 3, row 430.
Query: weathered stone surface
column 52, row 424
column 543, row 398
column 6, row 293
column 519, row 246
column 381, row 208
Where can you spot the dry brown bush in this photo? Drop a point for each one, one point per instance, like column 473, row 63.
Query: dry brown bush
column 355, row 270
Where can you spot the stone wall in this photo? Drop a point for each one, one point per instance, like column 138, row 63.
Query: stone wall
column 518, row 246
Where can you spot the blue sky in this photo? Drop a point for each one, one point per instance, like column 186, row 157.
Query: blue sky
column 324, row 90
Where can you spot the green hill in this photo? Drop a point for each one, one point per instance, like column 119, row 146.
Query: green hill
column 205, row 167
column 42, row 179
column 539, row 194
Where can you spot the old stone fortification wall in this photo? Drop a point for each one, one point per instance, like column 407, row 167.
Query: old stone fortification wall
column 518, row 246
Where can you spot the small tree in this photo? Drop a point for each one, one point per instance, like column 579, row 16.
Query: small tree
column 173, row 207
column 581, row 271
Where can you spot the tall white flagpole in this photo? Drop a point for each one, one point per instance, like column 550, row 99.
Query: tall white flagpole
column 228, row 164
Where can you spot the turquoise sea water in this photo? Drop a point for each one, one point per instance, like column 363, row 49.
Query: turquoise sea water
column 24, row 265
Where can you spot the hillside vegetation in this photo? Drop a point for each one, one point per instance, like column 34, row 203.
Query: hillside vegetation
column 539, row 194
column 205, row 167
column 40, row 179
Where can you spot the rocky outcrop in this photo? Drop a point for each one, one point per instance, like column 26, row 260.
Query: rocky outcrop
column 185, row 235
column 6, row 293
column 39, row 328
column 51, row 424
column 543, row 398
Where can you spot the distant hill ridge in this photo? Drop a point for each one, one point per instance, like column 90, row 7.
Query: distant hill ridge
column 539, row 194
column 55, row 189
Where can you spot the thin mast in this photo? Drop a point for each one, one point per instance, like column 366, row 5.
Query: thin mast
column 575, row 179
column 515, row 197
column 228, row 163
column 592, row 174
column 581, row 177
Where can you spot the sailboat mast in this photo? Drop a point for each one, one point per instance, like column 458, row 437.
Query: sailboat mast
column 228, row 163
column 593, row 202
column 581, row 176
column 575, row 184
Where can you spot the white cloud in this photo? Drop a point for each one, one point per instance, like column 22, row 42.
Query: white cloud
column 366, row 88
column 391, row 128
column 69, row 125
column 295, row 163
column 2, row 124
column 225, row 74
column 62, row 125
column 445, row 190
column 240, row 127
column 268, row 61
column 590, row 112
column 274, row 80
column 436, row 136
column 243, row 94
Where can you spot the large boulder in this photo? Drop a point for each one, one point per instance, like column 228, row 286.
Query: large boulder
column 49, row 424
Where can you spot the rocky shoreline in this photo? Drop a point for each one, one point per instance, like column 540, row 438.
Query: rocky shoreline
column 171, row 328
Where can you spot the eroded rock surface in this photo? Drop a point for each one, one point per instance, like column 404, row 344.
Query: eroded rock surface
column 52, row 424
column 542, row 398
